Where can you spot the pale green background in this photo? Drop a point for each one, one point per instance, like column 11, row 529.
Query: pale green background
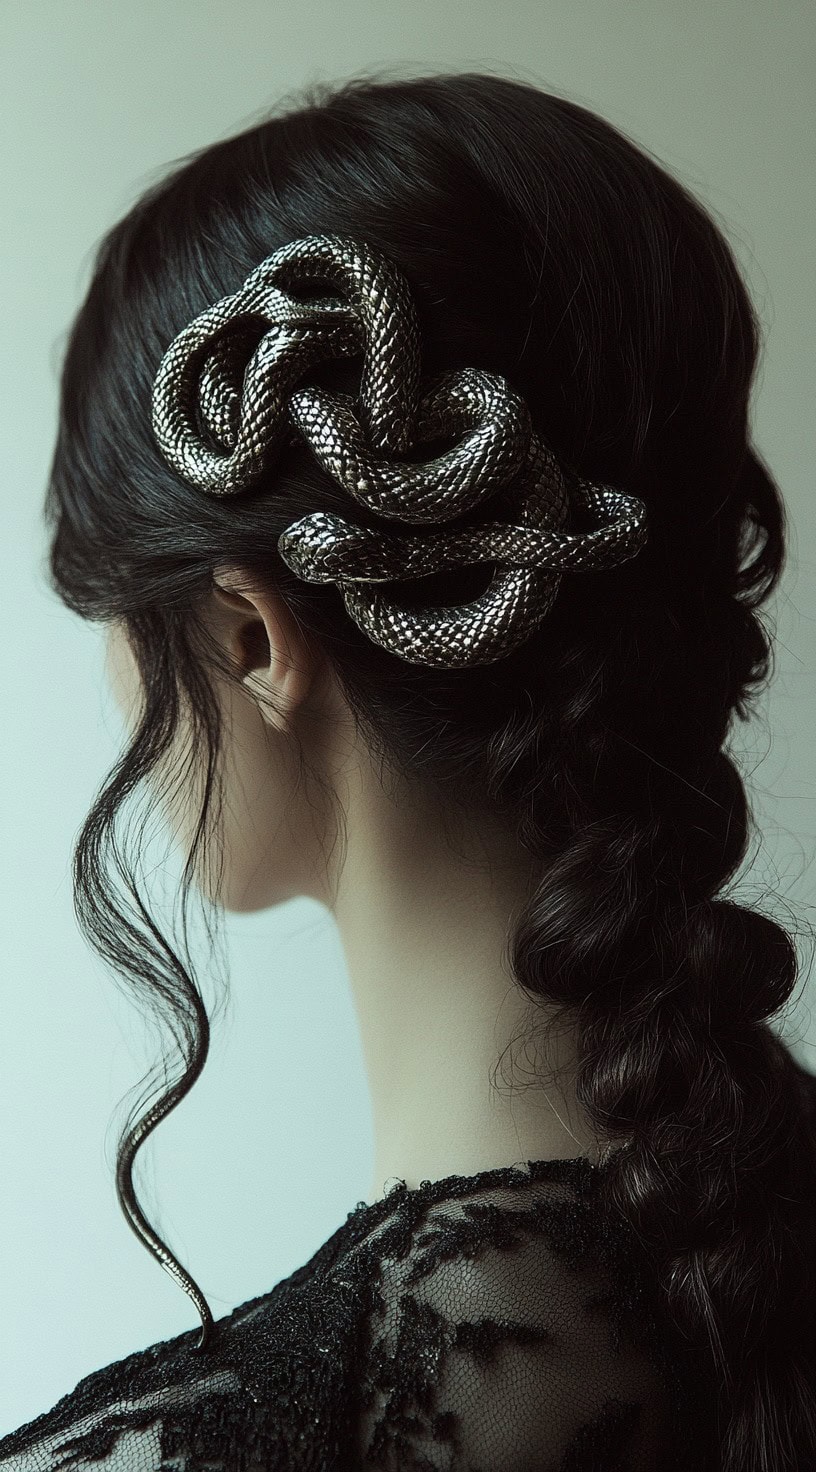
column 273, row 1147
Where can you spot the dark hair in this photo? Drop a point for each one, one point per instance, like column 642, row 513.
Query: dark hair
column 542, row 244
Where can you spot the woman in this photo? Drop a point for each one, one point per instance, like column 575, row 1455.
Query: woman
column 404, row 451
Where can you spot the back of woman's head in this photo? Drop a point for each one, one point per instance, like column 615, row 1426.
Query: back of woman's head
column 541, row 244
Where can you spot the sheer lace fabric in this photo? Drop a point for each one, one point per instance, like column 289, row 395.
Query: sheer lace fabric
column 492, row 1323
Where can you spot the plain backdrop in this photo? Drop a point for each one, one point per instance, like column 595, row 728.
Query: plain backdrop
column 273, row 1147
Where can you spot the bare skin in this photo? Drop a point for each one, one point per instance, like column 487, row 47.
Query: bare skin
column 423, row 911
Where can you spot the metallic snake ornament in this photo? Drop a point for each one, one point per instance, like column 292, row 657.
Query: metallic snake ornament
column 233, row 372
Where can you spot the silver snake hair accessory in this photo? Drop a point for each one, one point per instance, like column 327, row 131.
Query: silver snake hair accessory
column 219, row 375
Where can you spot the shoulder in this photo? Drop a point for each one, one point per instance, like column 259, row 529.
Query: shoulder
column 489, row 1321
column 118, row 1416
column 270, row 1378
column 509, row 1329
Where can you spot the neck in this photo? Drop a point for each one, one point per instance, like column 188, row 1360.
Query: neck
column 425, row 925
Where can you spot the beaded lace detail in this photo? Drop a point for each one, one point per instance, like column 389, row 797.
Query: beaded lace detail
column 490, row 1323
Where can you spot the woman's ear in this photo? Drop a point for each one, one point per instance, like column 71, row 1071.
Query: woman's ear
column 266, row 642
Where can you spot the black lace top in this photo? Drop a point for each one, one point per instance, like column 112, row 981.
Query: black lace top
column 497, row 1322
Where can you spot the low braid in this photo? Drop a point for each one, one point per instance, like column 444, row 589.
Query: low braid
column 672, row 986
